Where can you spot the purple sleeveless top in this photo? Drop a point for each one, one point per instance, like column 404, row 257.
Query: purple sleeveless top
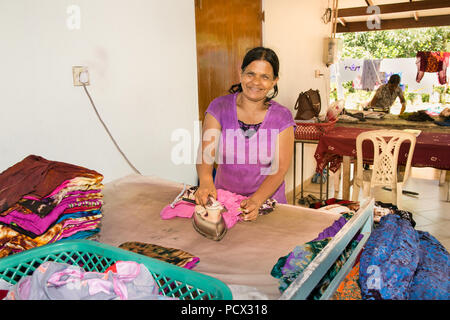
column 245, row 161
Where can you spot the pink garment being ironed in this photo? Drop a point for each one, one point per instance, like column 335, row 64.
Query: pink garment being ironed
column 229, row 200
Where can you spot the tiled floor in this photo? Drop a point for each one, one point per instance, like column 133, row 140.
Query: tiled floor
column 430, row 208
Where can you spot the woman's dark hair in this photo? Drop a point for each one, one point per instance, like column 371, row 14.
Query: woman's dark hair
column 394, row 79
column 260, row 53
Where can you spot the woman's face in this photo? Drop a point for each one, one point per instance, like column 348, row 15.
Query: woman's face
column 257, row 80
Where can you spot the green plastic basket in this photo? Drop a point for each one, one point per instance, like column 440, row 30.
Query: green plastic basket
column 173, row 281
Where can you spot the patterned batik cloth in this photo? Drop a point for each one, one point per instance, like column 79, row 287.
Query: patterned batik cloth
column 389, row 260
column 428, row 61
column 431, row 279
column 289, row 267
column 232, row 199
column 400, row 263
column 38, row 177
column 184, row 206
column 349, row 288
column 171, row 255
column 87, row 225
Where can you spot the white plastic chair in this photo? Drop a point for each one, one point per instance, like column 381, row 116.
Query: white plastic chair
column 384, row 173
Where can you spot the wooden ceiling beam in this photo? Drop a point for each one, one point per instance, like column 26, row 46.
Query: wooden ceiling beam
column 395, row 8
column 404, row 23
column 342, row 21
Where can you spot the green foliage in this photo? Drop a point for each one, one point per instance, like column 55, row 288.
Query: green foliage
column 348, row 86
column 402, row 43
column 389, row 44
column 410, row 96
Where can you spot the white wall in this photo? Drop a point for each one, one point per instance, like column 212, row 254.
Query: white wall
column 294, row 29
column 141, row 56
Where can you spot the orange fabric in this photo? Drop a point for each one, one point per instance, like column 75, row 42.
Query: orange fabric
column 349, row 288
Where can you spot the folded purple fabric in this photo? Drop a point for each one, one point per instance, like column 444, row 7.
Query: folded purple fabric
column 72, row 226
column 331, row 231
column 34, row 223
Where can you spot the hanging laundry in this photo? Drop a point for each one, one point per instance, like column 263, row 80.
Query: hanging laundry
column 406, row 69
column 428, row 61
column 357, row 83
column 371, row 77
column 349, row 69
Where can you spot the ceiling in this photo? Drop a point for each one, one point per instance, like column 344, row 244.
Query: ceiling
column 359, row 15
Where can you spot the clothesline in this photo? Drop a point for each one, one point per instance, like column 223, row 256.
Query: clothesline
column 368, row 74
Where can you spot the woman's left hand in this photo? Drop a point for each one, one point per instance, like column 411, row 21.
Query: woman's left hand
column 250, row 208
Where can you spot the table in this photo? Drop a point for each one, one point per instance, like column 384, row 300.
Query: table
column 339, row 146
column 244, row 257
column 302, row 142
column 392, row 121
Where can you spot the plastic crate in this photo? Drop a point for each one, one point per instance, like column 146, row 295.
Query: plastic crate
column 312, row 131
column 173, row 281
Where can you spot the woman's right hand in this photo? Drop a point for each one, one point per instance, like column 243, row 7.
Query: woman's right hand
column 203, row 192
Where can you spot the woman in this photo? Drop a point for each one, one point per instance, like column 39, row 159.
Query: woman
column 250, row 136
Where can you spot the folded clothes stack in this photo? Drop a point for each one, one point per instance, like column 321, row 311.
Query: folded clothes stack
column 43, row 201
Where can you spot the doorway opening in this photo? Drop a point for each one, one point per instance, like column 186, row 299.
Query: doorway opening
column 369, row 58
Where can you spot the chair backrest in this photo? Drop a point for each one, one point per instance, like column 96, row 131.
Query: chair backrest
column 386, row 149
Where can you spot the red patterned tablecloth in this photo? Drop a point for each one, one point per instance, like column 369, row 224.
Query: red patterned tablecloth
column 432, row 149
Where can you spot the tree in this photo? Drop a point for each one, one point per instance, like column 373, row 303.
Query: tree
column 390, row 44
column 401, row 43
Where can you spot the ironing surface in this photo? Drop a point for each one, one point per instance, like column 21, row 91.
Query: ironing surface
column 246, row 254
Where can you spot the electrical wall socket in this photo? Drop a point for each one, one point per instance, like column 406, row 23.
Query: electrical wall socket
column 80, row 71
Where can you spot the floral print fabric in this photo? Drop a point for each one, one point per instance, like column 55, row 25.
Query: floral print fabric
column 289, row 267
column 401, row 263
